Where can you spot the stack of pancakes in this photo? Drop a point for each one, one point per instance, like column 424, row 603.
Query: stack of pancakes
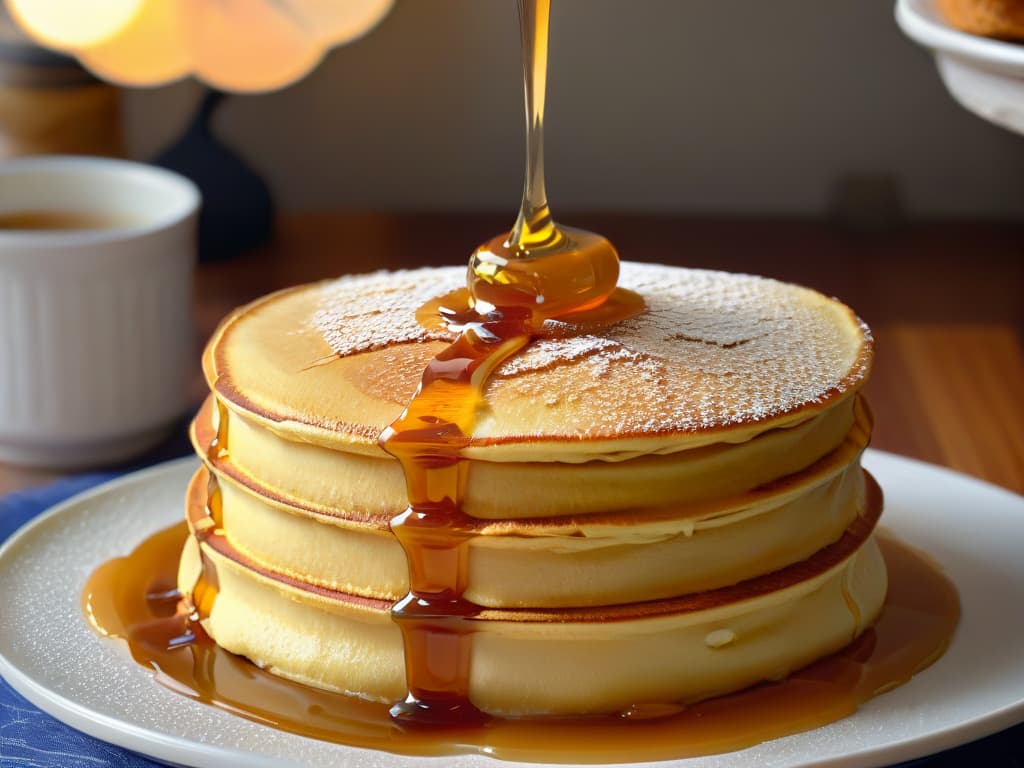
column 665, row 509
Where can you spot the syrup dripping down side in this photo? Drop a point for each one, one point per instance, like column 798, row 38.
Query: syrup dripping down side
column 428, row 439
column 515, row 282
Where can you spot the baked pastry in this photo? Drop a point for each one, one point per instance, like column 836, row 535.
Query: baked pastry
column 664, row 509
column 991, row 18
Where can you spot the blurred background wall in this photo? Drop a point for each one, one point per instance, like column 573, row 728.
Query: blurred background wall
column 696, row 106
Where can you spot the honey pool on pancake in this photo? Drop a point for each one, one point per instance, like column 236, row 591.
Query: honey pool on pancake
column 135, row 598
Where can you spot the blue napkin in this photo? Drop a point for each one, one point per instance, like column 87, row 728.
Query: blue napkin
column 28, row 737
column 31, row 739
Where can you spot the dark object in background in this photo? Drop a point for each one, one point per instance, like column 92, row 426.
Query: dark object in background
column 237, row 214
column 867, row 204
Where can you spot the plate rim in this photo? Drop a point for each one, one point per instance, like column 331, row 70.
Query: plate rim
column 172, row 749
column 82, row 497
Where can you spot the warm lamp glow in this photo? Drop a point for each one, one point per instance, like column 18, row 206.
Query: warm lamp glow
column 65, row 24
column 224, row 54
column 149, row 50
column 344, row 21
column 244, row 45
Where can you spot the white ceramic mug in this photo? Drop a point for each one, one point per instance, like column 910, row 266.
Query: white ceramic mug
column 96, row 339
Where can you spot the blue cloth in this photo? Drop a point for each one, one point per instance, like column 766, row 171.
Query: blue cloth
column 31, row 739
column 28, row 737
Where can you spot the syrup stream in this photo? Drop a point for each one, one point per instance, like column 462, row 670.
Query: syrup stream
column 514, row 286
column 534, row 227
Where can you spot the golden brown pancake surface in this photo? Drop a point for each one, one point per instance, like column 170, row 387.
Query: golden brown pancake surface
column 714, row 357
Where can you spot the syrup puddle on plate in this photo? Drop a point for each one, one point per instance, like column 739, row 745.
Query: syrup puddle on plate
column 135, row 598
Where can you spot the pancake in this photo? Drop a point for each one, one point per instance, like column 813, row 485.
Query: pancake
column 556, row 662
column 600, row 558
column 632, row 490
column 714, row 358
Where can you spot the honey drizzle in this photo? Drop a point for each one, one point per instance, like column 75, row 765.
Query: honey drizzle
column 534, row 227
column 428, row 439
column 851, row 603
column 515, row 283
column 547, row 269
column 134, row 598
column 204, row 591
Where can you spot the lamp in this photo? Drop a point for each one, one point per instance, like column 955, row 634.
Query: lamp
column 232, row 45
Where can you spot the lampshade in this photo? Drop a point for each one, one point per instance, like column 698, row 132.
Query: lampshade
column 233, row 45
column 63, row 24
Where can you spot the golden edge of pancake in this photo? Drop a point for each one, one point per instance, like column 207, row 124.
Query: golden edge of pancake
column 825, row 560
column 578, row 566
column 849, row 434
column 769, row 494
column 544, row 662
column 362, row 438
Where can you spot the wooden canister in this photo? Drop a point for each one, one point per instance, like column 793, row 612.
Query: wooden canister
column 49, row 104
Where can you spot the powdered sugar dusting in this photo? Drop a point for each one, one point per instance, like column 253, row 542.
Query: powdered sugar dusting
column 360, row 313
column 547, row 351
column 711, row 349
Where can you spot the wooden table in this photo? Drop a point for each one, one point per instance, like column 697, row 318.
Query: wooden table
column 945, row 301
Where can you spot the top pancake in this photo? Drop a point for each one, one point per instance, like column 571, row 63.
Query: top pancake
column 714, row 357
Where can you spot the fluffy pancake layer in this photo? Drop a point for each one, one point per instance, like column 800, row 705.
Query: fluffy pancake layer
column 530, row 662
column 651, row 552
column 370, row 487
column 713, row 358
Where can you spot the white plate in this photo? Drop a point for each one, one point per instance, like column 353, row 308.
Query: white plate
column 48, row 653
column 986, row 76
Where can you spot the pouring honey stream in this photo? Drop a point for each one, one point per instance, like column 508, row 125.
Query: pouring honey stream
column 515, row 282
